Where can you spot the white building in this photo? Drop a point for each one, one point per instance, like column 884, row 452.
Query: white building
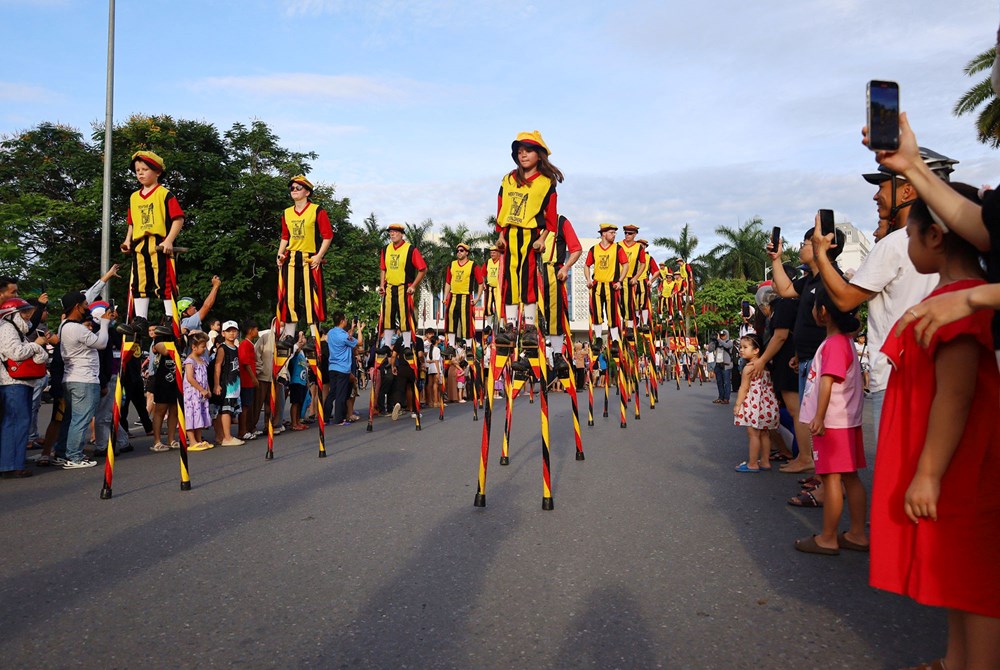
column 856, row 247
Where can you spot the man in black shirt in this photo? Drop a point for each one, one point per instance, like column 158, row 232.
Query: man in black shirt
column 806, row 333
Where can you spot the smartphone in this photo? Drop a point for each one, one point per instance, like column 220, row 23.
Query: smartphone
column 883, row 115
column 826, row 226
column 775, row 238
column 745, row 308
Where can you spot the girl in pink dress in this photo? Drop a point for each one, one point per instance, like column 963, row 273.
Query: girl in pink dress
column 756, row 408
column 832, row 408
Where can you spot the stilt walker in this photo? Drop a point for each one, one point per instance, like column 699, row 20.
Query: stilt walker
column 402, row 269
column 590, row 372
column 459, row 287
column 526, row 215
column 605, row 270
column 155, row 218
column 306, row 235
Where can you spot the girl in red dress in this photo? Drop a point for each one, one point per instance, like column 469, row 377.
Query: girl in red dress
column 936, row 500
column 756, row 408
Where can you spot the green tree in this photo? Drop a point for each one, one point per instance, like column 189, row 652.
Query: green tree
column 742, row 253
column 717, row 303
column 981, row 97
column 50, row 214
column 684, row 245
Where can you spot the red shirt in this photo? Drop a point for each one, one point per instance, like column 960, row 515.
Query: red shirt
column 247, row 356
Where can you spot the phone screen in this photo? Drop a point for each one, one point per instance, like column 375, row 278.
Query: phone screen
column 826, row 222
column 775, row 237
column 883, row 115
column 745, row 308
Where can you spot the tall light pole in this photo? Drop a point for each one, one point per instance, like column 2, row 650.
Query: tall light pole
column 108, row 122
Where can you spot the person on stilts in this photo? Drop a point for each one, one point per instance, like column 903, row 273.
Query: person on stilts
column 402, row 269
column 605, row 269
column 526, row 214
column 306, row 235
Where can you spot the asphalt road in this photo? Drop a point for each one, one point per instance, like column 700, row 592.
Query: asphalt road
column 657, row 555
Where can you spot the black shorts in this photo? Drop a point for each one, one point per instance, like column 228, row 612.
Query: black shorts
column 784, row 378
column 165, row 393
column 297, row 393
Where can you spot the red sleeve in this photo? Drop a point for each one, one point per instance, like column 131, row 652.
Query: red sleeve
column 128, row 217
column 622, row 256
column 838, row 354
column 174, row 210
column 323, row 221
column 641, row 258
column 551, row 211
column 418, row 260
column 447, row 274
column 653, row 267
column 285, row 235
column 572, row 241
column 481, row 273
column 381, row 261
column 590, row 257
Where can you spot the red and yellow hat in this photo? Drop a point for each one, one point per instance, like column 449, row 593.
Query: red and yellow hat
column 398, row 227
column 630, row 228
column 461, row 245
column 493, row 247
column 532, row 140
column 302, row 181
column 149, row 158
column 605, row 227
column 644, row 243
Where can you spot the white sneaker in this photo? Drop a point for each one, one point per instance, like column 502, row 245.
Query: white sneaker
column 76, row 465
column 395, row 411
column 257, row 433
column 59, row 460
column 279, row 430
column 248, row 436
column 413, row 415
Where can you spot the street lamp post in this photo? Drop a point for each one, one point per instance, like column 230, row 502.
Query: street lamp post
column 108, row 120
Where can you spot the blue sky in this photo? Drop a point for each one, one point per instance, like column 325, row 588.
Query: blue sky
column 658, row 113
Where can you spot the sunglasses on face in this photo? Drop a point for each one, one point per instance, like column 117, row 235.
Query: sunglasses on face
column 296, row 188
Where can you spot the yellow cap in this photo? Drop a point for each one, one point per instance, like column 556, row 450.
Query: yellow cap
column 301, row 179
column 461, row 245
column 149, row 158
column 607, row 226
column 532, row 139
column 398, row 227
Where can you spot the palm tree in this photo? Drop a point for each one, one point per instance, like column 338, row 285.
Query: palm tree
column 741, row 254
column 982, row 96
column 683, row 246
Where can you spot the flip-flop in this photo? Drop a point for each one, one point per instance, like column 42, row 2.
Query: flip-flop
column 743, row 467
column 808, row 545
column 847, row 544
column 804, row 499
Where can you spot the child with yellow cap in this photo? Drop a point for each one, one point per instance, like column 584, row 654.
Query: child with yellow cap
column 526, row 214
column 151, row 209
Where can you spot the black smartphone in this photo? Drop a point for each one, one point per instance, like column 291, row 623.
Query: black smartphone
column 883, row 115
column 745, row 308
column 826, row 226
column 775, row 238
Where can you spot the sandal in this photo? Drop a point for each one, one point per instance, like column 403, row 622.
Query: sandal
column 847, row 544
column 808, row 545
column 301, row 426
column 798, row 471
column 743, row 467
column 159, row 447
column 805, row 499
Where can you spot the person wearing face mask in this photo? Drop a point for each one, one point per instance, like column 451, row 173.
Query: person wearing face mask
column 23, row 362
column 80, row 347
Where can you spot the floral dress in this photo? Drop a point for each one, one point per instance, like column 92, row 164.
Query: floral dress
column 760, row 407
